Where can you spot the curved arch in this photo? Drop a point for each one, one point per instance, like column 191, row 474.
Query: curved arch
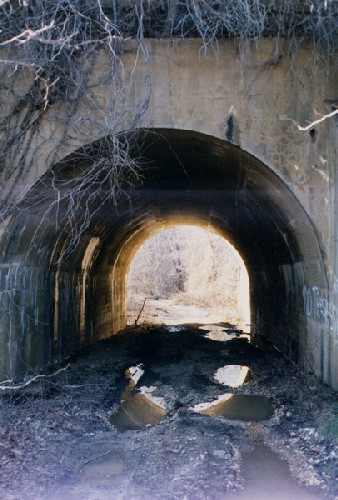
column 211, row 182
column 188, row 177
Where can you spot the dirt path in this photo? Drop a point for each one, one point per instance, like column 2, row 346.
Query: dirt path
column 57, row 441
column 171, row 312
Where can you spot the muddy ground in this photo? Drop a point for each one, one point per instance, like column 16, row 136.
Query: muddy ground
column 57, row 441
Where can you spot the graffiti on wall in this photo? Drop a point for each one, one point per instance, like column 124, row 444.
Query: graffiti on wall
column 319, row 308
column 316, row 304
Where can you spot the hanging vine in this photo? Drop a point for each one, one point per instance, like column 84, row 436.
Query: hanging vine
column 48, row 49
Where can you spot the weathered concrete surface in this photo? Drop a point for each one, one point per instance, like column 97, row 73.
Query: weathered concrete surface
column 249, row 174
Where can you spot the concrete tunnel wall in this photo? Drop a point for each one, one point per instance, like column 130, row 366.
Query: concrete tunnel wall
column 50, row 302
column 60, row 303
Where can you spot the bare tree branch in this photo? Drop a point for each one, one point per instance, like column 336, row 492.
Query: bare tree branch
column 27, row 35
column 5, row 387
column 53, row 46
column 325, row 117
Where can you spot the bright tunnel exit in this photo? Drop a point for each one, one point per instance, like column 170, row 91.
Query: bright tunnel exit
column 187, row 274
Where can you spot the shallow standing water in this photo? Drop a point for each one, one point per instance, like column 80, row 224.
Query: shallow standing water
column 81, row 456
column 246, row 408
column 138, row 409
column 267, row 477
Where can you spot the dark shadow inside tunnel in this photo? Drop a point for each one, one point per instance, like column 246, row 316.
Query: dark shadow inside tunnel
column 56, row 301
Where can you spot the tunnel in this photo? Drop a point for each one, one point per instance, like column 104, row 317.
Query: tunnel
column 57, row 300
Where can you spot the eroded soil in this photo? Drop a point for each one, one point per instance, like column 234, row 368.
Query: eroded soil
column 57, row 440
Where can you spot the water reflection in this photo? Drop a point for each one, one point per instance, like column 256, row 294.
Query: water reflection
column 223, row 333
column 139, row 408
column 238, row 407
column 176, row 328
column 214, row 327
column 109, row 465
column 219, row 335
column 232, row 375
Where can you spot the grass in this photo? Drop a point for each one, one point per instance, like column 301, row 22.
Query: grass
column 330, row 428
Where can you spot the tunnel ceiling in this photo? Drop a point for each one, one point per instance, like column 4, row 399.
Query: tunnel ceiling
column 185, row 175
column 187, row 160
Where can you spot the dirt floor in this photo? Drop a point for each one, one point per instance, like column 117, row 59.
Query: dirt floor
column 57, row 440
column 174, row 312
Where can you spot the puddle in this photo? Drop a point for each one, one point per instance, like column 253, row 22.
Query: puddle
column 134, row 373
column 216, row 332
column 109, row 465
column 214, row 327
column 232, row 375
column 222, row 333
column 238, row 407
column 221, row 336
column 277, row 483
column 173, row 329
column 139, row 408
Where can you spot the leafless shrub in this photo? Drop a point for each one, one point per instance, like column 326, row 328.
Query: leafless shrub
column 102, row 173
column 47, row 53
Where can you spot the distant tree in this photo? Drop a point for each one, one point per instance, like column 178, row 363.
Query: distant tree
column 190, row 265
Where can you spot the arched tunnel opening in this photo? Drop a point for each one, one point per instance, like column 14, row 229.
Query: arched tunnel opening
column 185, row 275
column 57, row 301
column 201, row 394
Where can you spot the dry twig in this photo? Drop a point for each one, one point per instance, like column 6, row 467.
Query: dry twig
column 316, row 122
column 5, row 387
column 141, row 311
